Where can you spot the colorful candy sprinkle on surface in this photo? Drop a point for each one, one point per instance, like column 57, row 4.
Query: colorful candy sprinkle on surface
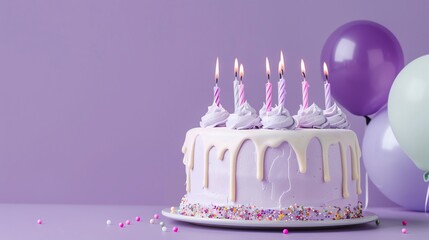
column 404, row 231
column 161, row 224
column 128, row 222
column 152, row 221
column 164, row 229
column 404, row 223
column 285, row 231
column 138, row 219
column 156, row 216
column 109, row 222
column 175, row 229
column 39, row 221
column 121, row 225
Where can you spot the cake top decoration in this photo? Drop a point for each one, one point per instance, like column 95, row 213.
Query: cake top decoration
column 278, row 117
column 216, row 116
column 244, row 118
column 311, row 117
column 336, row 117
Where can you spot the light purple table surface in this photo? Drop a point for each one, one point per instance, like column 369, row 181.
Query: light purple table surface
column 19, row 221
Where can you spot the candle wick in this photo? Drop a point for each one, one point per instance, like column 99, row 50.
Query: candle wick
column 303, row 74
column 236, row 74
column 281, row 75
column 326, row 77
column 268, row 77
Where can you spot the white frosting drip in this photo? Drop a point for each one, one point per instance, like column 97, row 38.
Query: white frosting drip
column 277, row 118
column 216, row 116
column 224, row 139
column 336, row 117
column 311, row 117
column 244, row 118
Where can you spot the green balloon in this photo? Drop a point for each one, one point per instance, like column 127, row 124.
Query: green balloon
column 408, row 110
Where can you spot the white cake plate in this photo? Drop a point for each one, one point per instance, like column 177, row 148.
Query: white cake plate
column 226, row 223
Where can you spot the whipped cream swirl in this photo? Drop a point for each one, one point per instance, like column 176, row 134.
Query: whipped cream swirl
column 336, row 117
column 277, row 118
column 311, row 117
column 216, row 116
column 244, row 118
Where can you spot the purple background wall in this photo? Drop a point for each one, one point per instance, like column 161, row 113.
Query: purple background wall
column 96, row 96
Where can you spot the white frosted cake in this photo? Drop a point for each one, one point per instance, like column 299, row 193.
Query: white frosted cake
column 305, row 174
column 272, row 166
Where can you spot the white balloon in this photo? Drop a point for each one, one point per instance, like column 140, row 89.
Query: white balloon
column 408, row 110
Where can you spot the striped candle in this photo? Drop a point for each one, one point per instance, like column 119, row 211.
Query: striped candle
column 282, row 92
column 305, row 87
column 216, row 89
column 216, row 93
column 241, row 88
column 282, row 82
column 268, row 94
column 236, row 84
column 242, row 99
column 268, row 87
column 236, row 95
column 328, row 98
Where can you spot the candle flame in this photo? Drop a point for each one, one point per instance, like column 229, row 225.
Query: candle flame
column 325, row 70
column 267, row 68
column 236, row 67
column 302, row 67
column 217, row 70
column 241, row 72
column 282, row 62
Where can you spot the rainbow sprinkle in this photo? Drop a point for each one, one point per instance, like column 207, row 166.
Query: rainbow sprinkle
column 248, row 212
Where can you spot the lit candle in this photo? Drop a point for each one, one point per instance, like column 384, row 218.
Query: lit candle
column 328, row 99
column 236, row 86
column 241, row 90
column 216, row 89
column 282, row 82
column 268, row 87
column 305, row 86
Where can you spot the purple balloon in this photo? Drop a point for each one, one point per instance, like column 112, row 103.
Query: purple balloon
column 389, row 168
column 363, row 58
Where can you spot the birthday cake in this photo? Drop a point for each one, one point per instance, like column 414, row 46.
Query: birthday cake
column 271, row 165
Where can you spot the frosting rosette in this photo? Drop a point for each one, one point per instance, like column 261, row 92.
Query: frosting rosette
column 278, row 118
column 244, row 118
column 216, row 116
column 336, row 117
column 311, row 117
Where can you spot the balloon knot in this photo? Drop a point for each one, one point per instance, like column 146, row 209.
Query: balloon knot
column 426, row 176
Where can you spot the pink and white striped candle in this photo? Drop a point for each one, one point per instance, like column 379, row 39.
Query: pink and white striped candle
column 305, row 87
column 328, row 98
column 216, row 89
column 236, row 84
column 241, row 88
column 268, row 87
